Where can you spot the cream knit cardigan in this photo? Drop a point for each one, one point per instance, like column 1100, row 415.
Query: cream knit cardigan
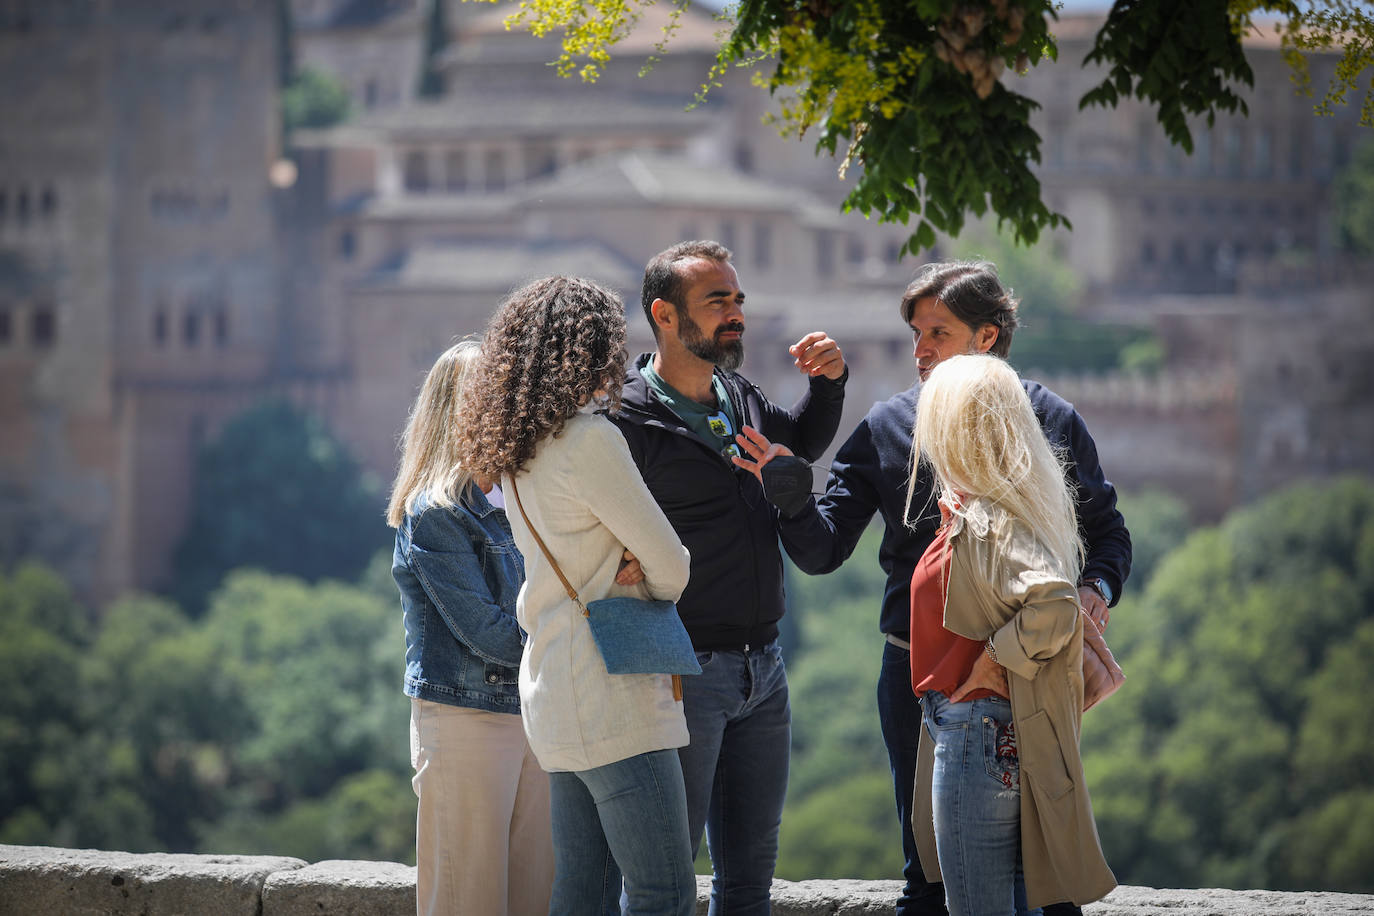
column 584, row 495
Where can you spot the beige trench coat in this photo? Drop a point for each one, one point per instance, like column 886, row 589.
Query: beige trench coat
column 1000, row 587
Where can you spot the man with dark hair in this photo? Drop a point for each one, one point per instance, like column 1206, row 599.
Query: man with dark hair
column 680, row 410
column 951, row 308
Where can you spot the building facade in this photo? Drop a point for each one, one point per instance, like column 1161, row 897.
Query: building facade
column 154, row 281
column 138, row 293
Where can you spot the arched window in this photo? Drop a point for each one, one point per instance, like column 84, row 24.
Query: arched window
column 43, row 325
column 160, row 325
column 416, row 171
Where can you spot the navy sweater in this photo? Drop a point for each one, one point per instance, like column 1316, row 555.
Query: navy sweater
column 870, row 474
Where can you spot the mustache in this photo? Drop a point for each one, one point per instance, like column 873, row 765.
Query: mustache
column 734, row 327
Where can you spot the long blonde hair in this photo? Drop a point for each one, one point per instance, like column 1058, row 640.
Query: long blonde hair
column 429, row 445
column 976, row 431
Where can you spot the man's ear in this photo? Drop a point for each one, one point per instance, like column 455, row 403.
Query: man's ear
column 985, row 337
column 664, row 312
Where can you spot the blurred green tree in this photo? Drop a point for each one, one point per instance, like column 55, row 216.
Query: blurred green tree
column 1354, row 198
column 278, row 492
column 44, row 632
column 1158, row 522
column 318, row 669
column 313, row 98
column 840, row 818
column 367, row 815
column 278, row 714
column 1235, row 738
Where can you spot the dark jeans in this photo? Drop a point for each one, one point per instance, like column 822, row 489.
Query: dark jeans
column 900, row 714
column 735, row 771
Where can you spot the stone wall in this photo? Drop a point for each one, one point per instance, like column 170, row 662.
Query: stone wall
column 81, row 882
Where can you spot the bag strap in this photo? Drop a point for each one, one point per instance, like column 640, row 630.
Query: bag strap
column 567, row 586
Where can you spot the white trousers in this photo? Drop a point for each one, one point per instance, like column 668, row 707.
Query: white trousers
column 483, row 844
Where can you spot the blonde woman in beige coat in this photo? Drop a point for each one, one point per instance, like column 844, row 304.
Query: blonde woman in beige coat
column 1001, row 810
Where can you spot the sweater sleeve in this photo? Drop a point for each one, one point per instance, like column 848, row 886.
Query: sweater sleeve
column 615, row 493
column 823, row 535
column 810, row 426
column 1105, row 539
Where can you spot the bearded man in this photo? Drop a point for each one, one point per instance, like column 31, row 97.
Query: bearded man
column 680, row 410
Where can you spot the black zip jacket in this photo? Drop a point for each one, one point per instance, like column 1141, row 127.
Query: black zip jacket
column 735, row 595
column 870, row 474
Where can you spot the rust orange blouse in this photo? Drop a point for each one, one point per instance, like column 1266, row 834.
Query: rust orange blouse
column 940, row 660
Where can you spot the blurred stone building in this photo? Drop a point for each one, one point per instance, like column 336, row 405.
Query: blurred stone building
column 154, row 281
column 138, row 273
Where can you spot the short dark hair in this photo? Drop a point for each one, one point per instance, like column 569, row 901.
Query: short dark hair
column 663, row 280
column 972, row 291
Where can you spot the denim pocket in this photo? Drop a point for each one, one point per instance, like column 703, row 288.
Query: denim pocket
column 495, row 674
column 704, row 658
column 999, row 752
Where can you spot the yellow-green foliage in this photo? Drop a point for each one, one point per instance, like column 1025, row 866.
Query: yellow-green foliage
column 911, row 90
column 590, row 28
column 1333, row 25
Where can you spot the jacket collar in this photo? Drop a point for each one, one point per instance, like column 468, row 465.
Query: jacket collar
column 976, row 515
column 476, row 502
column 638, row 404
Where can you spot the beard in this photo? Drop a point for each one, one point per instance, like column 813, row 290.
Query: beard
column 728, row 355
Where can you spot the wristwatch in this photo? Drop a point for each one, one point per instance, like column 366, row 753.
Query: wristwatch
column 1100, row 586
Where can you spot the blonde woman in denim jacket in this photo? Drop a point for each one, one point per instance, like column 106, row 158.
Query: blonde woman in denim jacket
column 482, row 841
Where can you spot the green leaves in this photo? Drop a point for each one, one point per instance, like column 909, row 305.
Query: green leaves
column 912, row 90
column 1183, row 56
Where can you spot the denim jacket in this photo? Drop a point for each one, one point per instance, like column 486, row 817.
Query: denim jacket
column 459, row 573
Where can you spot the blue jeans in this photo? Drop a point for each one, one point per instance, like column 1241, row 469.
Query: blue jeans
column 899, row 712
column 627, row 818
column 735, row 769
column 976, row 796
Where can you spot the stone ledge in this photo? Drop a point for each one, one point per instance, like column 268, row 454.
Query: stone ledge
column 46, row 881
column 341, row 888
column 43, row 880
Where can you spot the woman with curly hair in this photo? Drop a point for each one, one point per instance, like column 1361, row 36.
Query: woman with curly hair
column 482, row 839
column 1001, row 805
column 554, row 349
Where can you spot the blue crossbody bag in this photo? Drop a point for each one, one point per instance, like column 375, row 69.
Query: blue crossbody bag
column 634, row 635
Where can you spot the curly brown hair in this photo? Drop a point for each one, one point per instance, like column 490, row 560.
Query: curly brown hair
column 551, row 346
